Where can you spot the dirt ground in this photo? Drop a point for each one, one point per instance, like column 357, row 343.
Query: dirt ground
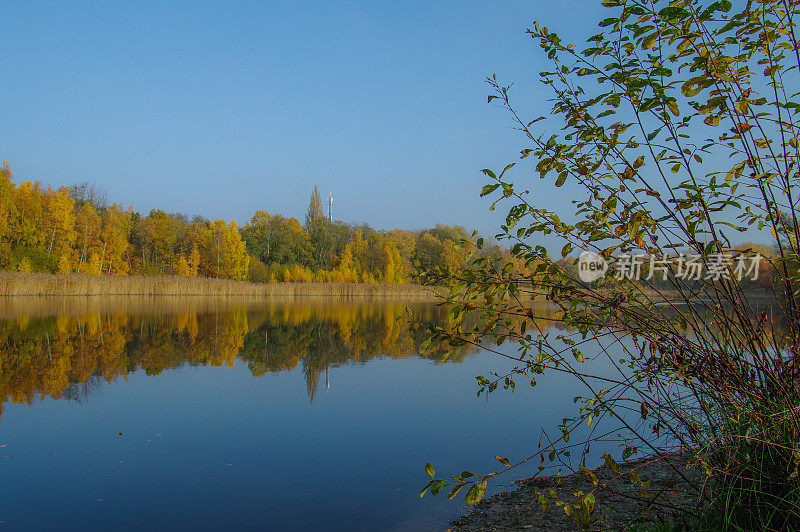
column 619, row 504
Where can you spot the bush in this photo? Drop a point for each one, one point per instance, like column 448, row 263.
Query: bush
column 672, row 131
column 31, row 259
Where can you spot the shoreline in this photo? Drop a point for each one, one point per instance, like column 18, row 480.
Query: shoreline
column 624, row 504
column 16, row 284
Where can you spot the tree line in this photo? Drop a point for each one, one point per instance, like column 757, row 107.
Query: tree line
column 76, row 230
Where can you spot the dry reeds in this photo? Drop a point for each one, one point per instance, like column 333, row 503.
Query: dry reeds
column 13, row 284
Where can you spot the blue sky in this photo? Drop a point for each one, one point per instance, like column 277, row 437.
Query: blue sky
column 222, row 108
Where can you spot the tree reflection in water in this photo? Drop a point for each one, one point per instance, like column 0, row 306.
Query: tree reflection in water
column 70, row 352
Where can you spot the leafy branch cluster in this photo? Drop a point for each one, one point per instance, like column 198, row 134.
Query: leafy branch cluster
column 675, row 130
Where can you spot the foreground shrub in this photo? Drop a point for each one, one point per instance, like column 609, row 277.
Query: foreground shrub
column 674, row 135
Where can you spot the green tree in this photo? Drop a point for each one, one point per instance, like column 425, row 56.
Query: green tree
column 324, row 235
column 454, row 233
column 429, row 250
column 314, row 213
column 275, row 239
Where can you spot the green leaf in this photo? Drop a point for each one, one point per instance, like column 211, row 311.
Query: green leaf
column 693, row 86
column 508, row 166
column 588, row 503
column 544, row 502
column 476, row 492
column 672, row 13
column 425, row 490
column 488, row 189
column 503, row 461
column 455, row 490
column 429, row 470
column 628, row 452
column 672, row 105
column 637, row 480
column 562, row 177
column 588, row 473
column 611, row 463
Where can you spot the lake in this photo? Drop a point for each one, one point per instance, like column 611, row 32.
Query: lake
column 197, row 413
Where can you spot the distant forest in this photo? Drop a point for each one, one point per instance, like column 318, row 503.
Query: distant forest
column 75, row 229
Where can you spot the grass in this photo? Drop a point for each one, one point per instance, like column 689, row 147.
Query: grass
column 13, row 284
column 756, row 485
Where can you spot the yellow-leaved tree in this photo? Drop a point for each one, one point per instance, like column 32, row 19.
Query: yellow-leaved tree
column 87, row 228
column 114, row 236
column 60, row 216
column 224, row 254
column 182, row 268
column 28, row 226
column 194, row 261
column 6, row 206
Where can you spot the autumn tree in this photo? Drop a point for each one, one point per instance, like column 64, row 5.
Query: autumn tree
column 6, row 211
column 75, row 229
column 114, row 237
column 182, row 268
column 224, row 254
column 87, row 225
column 59, row 215
column 160, row 237
column 28, row 226
column 193, row 261
column 405, row 242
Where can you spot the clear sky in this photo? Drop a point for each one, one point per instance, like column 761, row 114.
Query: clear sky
column 222, row 108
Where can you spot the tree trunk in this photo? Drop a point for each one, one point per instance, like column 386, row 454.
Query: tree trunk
column 102, row 257
column 52, row 238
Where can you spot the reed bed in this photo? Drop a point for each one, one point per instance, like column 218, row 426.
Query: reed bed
column 25, row 307
column 15, row 284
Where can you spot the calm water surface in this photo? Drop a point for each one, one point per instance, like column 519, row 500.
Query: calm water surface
column 196, row 413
